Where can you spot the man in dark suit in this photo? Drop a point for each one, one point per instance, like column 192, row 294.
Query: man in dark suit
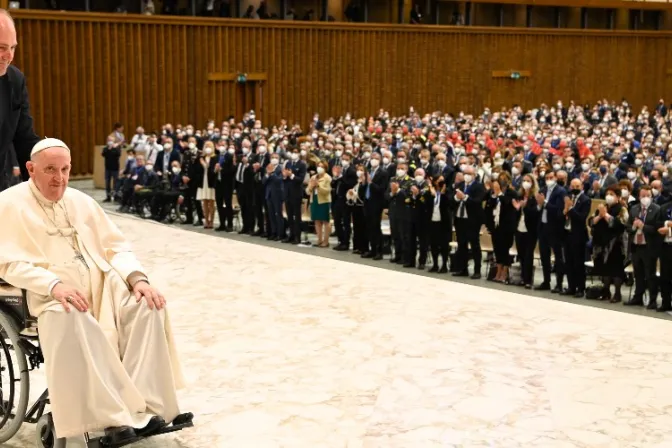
column 166, row 157
column 469, row 218
column 261, row 216
column 644, row 245
column 398, row 195
column 375, row 186
column 17, row 137
column 274, row 194
column 225, row 170
column 294, row 174
column 348, row 182
column 576, row 211
column 338, row 204
column 664, row 226
column 245, row 191
column 551, row 203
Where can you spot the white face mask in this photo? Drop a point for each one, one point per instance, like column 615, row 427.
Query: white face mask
column 168, row 146
column 246, row 150
column 550, row 183
column 231, row 151
column 339, row 153
column 556, row 166
column 610, row 199
column 625, row 193
column 274, row 161
column 303, row 153
column 442, row 163
column 527, row 185
column 345, row 163
column 401, row 160
column 515, row 171
column 295, row 156
column 401, row 173
column 149, row 167
column 569, row 165
column 375, row 163
column 360, row 173
column 645, row 201
column 585, row 167
column 655, row 192
column 632, row 175
column 262, row 150
column 638, row 162
column 468, row 178
column 208, row 151
column 386, row 160
column 320, row 170
column 176, row 170
column 419, row 179
column 131, row 157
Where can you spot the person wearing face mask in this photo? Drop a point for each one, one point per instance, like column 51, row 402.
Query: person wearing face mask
column 260, row 161
column 500, row 220
column 608, row 225
column 440, row 224
column 294, row 174
column 274, row 194
column 420, row 208
column 375, row 186
column 319, row 192
column 660, row 194
column 145, row 186
column 603, row 182
column 166, row 157
column 206, row 179
column 644, row 242
column 355, row 207
column 244, row 186
column 224, row 173
column 551, row 203
column 398, row 192
column 527, row 226
column 469, row 218
column 111, row 153
column 575, row 212
column 152, row 148
column 168, row 196
column 664, row 229
column 343, row 220
column 626, row 193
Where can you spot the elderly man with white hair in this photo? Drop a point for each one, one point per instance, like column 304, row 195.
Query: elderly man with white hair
column 16, row 124
column 110, row 358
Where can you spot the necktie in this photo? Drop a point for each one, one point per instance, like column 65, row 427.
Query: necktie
column 368, row 186
column 640, row 234
column 239, row 175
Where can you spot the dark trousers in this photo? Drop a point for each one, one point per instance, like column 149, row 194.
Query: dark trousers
column 360, row 241
column 338, row 213
column 163, row 202
column 399, row 230
column 666, row 275
column 439, row 241
column 275, row 218
column 575, row 267
column 502, row 241
column 418, row 241
column 111, row 177
column 347, row 225
column 293, row 207
column 373, row 215
column 644, row 266
column 549, row 241
column 246, row 202
column 260, row 209
column 191, row 203
column 468, row 237
column 224, row 200
column 525, row 244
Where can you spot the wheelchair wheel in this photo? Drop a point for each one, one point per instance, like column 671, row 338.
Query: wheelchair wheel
column 12, row 408
column 179, row 213
column 45, row 435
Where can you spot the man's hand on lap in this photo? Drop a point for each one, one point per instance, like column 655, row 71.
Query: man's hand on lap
column 68, row 295
column 152, row 295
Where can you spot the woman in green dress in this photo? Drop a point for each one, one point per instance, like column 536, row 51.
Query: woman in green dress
column 319, row 190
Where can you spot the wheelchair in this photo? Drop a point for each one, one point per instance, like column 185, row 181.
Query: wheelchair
column 19, row 334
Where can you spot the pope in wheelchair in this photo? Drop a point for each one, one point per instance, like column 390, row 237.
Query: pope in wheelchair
column 104, row 332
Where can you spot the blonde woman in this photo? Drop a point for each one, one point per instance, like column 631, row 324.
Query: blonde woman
column 319, row 189
column 206, row 178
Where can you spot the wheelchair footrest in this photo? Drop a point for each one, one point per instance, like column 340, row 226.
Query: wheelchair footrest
column 101, row 442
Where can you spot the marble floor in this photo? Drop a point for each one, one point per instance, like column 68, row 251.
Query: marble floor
column 285, row 349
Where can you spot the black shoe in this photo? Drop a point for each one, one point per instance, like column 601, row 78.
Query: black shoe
column 394, row 260
column 182, row 419
column 107, row 200
column 528, row 286
column 557, row 289
column 652, row 305
column 434, row 268
column 579, row 295
column 443, row 270
column 257, row 233
column 664, row 308
column 409, row 265
column 543, row 287
column 567, row 292
column 476, row 276
column 155, row 423
column 219, row 229
column 378, row 257
column 228, row 229
column 341, row 248
column 357, row 252
column 634, row 302
column 421, row 267
column 286, row 240
column 117, row 435
column 461, row 274
column 367, row 255
column 296, row 242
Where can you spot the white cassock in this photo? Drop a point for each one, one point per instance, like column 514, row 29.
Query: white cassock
column 115, row 365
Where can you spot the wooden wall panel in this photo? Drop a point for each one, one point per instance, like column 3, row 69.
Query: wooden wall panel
column 86, row 71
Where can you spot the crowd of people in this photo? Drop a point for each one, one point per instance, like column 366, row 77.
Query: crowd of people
column 582, row 183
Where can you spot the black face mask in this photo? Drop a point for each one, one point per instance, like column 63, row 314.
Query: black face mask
column 561, row 183
column 576, row 191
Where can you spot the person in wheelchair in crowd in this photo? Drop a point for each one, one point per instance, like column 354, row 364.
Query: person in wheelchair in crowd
column 104, row 331
column 172, row 192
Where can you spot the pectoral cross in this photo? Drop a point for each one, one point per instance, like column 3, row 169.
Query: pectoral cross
column 79, row 257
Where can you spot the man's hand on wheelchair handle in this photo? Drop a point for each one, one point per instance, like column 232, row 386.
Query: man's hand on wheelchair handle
column 70, row 296
column 153, row 296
